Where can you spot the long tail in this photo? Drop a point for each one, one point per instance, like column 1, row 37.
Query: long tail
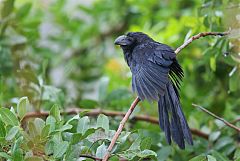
column 171, row 118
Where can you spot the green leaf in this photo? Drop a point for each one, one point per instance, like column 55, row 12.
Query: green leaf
column 229, row 149
column 70, row 153
column 23, row 10
column 8, row 117
column 83, row 125
column 2, row 129
column 2, row 139
column 55, row 112
column 7, row 8
column 49, row 146
column 129, row 154
column 213, row 63
column 12, row 133
column 22, row 106
column 32, row 129
column 237, row 154
column 87, row 103
column 18, row 155
column 17, row 152
column 222, row 142
column 146, row 153
column 25, row 135
column 76, row 137
column 188, row 35
column 39, row 124
column 88, row 132
column 13, row 111
column 233, row 82
column 123, row 136
column 136, row 144
column 199, row 158
column 45, row 131
column 51, row 121
column 101, row 151
column 213, row 136
column 65, row 127
column 99, row 134
column 76, row 117
column 219, row 156
column 5, row 155
column 146, row 143
column 164, row 153
column 60, row 149
column 103, row 122
column 211, row 158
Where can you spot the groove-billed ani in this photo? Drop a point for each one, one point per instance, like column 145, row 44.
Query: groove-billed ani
column 156, row 76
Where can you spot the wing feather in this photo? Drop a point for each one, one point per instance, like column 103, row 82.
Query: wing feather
column 145, row 88
column 152, row 66
column 149, row 87
column 137, row 88
column 157, row 83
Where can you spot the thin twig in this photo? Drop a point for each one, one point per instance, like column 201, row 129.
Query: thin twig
column 90, row 156
column 217, row 117
column 235, row 121
column 119, row 130
column 96, row 112
column 203, row 34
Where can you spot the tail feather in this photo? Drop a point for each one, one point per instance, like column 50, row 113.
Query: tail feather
column 164, row 122
column 171, row 118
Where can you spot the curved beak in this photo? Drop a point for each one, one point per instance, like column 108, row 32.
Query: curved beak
column 123, row 40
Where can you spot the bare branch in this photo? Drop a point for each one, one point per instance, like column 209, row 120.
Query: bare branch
column 235, row 121
column 202, row 34
column 90, row 156
column 96, row 112
column 120, row 128
column 217, row 117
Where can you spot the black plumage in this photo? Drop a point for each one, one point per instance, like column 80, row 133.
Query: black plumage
column 156, row 76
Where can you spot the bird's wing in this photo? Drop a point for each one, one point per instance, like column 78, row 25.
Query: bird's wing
column 150, row 68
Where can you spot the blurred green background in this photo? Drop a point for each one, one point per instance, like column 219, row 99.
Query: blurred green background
column 62, row 51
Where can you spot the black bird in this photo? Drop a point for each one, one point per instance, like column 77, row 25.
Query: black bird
column 156, row 76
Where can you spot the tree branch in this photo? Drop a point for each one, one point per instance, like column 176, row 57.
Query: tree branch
column 90, row 157
column 96, row 112
column 195, row 37
column 115, row 137
column 217, row 117
column 119, row 130
column 235, row 121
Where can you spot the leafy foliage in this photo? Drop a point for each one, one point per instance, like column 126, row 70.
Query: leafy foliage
column 55, row 139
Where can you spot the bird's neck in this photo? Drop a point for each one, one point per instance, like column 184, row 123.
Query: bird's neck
column 128, row 58
column 127, row 55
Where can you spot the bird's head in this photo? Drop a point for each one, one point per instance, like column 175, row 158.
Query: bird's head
column 131, row 39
